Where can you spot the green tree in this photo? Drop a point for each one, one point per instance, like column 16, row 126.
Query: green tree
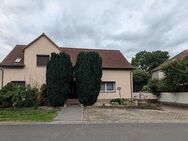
column 58, row 78
column 88, row 73
column 140, row 79
column 156, row 86
column 176, row 75
column 149, row 60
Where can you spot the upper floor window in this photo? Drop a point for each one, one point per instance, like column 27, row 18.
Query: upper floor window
column 108, row 87
column 42, row 60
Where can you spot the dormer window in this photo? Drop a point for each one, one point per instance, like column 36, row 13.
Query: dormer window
column 42, row 60
column 18, row 60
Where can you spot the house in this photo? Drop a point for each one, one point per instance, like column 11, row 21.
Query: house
column 26, row 64
column 157, row 72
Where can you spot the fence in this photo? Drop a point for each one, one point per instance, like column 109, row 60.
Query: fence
column 175, row 98
column 143, row 95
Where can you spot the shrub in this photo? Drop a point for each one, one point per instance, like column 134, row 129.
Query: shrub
column 88, row 73
column 25, row 97
column 118, row 101
column 156, row 86
column 121, row 101
column 18, row 96
column 6, row 95
column 176, row 75
column 43, row 101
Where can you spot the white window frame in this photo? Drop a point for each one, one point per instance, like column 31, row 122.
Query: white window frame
column 105, row 87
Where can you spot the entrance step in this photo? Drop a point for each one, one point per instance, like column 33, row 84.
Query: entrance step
column 73, row 102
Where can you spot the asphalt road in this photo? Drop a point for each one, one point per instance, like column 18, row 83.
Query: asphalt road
column 96, row 132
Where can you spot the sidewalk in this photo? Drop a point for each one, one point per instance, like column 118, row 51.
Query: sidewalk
column 69, row 115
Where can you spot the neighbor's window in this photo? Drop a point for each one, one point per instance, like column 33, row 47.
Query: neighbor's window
column 42, row 60
column 108, row 87
column 20, row 83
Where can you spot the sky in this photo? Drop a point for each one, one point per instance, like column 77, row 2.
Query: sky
column 127, row 25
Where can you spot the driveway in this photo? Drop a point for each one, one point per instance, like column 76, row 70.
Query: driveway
column 70, row 114
column 168, row 114
column 95, row 132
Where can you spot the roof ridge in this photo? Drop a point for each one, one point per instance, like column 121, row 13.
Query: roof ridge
column 171, row 59
column 64, row 47
column 20, row 45
column 184, row 51
column 42, row 35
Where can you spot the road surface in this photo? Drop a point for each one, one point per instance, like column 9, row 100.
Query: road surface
column 96, row 132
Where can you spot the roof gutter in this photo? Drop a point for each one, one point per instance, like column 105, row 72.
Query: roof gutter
column 113, row 68
column 12, row 66
column 2, row 77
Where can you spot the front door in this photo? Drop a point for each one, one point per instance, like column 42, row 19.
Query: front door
column 73, row 94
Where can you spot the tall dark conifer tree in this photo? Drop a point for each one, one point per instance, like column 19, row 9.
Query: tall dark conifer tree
column 88, row 73
column 58, row 78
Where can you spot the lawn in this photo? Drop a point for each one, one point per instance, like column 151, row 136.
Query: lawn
column 27, row 114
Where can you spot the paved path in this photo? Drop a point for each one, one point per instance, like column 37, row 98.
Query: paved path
column 70, row 114
column 95, row 132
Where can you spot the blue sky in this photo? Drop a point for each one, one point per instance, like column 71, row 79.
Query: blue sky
column 128, row 25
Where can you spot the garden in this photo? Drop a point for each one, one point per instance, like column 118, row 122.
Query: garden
column 21, row 103
column 26, row 103
column 175, row 72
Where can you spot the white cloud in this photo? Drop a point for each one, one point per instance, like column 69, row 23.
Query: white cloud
column 130, row 26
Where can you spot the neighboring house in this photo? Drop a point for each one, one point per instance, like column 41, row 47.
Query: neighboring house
column 26, row 64
column 157, row 72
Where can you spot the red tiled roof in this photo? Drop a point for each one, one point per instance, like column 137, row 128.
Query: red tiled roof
column 111, row 59
column 178, row 57
column 17, row 52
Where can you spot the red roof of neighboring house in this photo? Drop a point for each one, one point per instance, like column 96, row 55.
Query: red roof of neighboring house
column 178, row 57
column 111, row 59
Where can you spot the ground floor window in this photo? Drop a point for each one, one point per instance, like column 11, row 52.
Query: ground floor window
column 108, row 87
column 20, row 83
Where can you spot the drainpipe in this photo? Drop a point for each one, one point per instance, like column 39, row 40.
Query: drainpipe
column 2, row 77
column 131, row 83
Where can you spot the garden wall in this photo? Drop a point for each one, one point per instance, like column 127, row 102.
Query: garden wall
column 143, row 95
column 175, row 98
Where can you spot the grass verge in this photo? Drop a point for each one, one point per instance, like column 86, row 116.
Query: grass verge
column 27, row 114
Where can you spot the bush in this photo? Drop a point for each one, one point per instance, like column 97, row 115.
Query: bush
column 176, row 75
column 18, row 96
column 25, row 97
column 6, row 95
column 121, row 101
column 118, row 101
column 88, row 73
column 43, row 101
column 156, row 86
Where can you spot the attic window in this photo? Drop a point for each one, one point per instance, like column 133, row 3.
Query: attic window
column 18, row 59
